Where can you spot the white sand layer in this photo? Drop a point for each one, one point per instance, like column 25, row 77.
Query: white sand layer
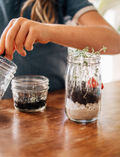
column 80, row 111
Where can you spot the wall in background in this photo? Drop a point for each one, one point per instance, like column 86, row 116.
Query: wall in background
column 110, row 64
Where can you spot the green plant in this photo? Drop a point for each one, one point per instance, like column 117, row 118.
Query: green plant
column 85, row 53
column 85, row 66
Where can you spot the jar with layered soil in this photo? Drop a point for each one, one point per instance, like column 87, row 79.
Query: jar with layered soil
column 30, row 92
column 83, row 86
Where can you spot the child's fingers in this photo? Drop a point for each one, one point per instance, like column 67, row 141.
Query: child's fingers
column 10, row 38
column 3, row 36
column 20, row 39
column 30, row 40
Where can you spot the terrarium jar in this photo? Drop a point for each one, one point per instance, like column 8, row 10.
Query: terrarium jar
column 83, row 87
column 30, row 92
column 7, row 71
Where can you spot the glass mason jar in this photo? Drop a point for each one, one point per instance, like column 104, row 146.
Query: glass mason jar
column 83, row 87
column 7, row 71
column 30, row 92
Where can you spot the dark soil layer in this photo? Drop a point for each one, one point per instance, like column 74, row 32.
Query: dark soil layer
column 83, row 96
column 29, row 106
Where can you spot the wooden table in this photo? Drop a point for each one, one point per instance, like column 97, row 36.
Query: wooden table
column 52, row 134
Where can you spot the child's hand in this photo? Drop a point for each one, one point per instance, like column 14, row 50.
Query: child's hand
column 22, row 33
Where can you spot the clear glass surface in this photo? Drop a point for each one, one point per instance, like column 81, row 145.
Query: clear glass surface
column 30, row 93
column 7, row 70
column 83, row 88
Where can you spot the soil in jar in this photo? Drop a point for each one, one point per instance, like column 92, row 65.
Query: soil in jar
column 30, row 106
column 83, row 103
column 82, row 95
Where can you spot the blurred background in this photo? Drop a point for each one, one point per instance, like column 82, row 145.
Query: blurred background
column 110, row 64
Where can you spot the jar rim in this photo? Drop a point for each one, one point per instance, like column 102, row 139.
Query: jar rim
column 30, row 80
column 8, row 64
column 74, row 58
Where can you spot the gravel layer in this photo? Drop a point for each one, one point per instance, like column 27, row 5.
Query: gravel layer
column 80, row 111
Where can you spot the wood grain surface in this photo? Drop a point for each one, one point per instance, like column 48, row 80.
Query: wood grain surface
column 52, row 134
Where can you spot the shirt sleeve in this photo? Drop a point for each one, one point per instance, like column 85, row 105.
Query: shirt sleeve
column 75, row 8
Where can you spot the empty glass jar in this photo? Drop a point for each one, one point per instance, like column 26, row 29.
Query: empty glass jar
column 83, row 87
column 30, row 92
column 7, row 71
